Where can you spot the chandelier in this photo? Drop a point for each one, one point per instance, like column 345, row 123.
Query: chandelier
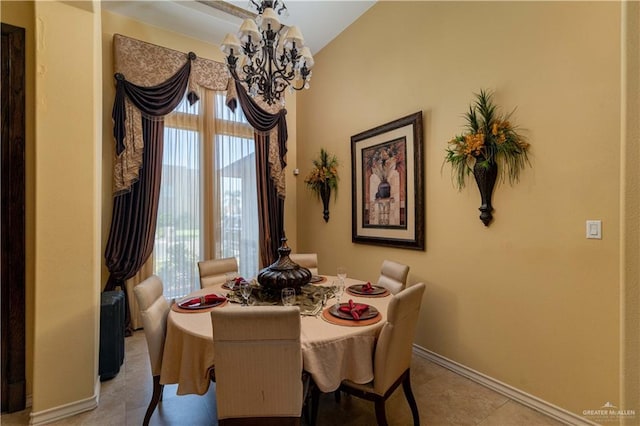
column 268, row 56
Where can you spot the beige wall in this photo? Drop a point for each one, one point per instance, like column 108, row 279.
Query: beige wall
column 528, row 301
column 67, row 192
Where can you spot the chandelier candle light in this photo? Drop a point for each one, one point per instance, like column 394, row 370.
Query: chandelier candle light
column 268, row 56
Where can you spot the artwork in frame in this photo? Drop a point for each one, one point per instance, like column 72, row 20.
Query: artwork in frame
column 387, row 180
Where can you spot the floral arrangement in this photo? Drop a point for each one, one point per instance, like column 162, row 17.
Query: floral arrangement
column 489, row 138
column 324, row 173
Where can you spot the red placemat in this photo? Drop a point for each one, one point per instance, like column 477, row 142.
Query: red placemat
column 177, row 308
column 349, row 323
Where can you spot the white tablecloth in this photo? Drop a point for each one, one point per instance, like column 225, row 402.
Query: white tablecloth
column 331, row 353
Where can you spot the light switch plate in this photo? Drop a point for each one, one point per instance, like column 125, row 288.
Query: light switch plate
column 594, row 229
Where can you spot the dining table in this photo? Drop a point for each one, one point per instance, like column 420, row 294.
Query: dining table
column 332, row 350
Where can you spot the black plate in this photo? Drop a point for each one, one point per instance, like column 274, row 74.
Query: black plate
column 368, row 314
column 357, row 288
column 316, row 279
column 183, row 305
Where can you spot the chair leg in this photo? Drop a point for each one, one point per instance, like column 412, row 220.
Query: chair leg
column 408, row 393
column 155, row 397
column 381, row 416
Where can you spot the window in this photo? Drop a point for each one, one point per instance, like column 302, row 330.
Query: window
column 208, row 198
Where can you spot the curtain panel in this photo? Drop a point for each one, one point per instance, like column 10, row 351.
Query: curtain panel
column 133, row 222
column 150, row 82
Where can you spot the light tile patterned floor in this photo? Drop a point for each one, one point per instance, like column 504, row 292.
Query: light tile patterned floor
column 444, row 398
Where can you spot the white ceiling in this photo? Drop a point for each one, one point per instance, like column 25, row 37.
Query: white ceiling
column 320, row 20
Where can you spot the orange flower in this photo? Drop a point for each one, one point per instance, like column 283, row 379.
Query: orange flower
column 473, row 144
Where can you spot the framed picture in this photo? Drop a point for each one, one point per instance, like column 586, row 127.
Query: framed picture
column 387, row 184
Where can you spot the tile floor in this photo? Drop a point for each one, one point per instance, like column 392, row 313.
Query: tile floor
column 443, row 397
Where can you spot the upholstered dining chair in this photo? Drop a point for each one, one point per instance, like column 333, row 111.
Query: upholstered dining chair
column 258, row 362
column 154, row 309
column 214, row 271
column 392, row 356
column 306, row 260
column 393, row 276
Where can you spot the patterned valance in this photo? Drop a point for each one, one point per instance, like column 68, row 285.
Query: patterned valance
column 148, row 65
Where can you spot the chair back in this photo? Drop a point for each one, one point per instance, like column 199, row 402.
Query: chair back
column 258, row 361
column 393, row 276
column 214, row 271
column 394, row 346
column 154, row 309
column 306, row 260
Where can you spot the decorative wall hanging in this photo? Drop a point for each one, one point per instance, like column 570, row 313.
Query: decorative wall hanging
column 491, row 147
column 387, row 184
column 323, row 178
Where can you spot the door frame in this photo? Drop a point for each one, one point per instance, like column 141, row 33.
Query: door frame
column 12, row 222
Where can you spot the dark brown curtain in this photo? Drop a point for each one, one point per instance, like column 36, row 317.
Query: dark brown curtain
column 133, row 222
column 270, row 203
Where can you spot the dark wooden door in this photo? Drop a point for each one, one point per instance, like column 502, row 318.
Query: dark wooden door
column 12, row 221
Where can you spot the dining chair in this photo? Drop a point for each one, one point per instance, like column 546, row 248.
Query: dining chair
column 393, row 276
column 306, row 260
column 392, row 357
column 154, row 309
column 214, row 271
column 258, row 361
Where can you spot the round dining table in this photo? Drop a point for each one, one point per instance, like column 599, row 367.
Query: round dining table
column 331, row 352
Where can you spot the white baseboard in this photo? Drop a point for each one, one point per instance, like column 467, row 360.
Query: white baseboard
column 67, row 410
column 517, row 395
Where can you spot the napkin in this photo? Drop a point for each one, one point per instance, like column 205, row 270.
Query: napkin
column 367, row 288
column 204, row 300
column 355, row 309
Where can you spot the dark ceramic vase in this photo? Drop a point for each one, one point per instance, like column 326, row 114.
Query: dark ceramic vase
column 486, row 173
column 384, row 190
column 325, row 195
column 284, row 272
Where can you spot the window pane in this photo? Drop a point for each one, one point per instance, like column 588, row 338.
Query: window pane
column 236, row 171
column 225, row 113
column 177, row 245
column 193, row 225
column 185, row 108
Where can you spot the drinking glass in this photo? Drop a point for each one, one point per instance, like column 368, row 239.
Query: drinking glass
column 288, row 296
column 245, row 291
column 339, row 289
column 342, row 273
column 231, row 279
